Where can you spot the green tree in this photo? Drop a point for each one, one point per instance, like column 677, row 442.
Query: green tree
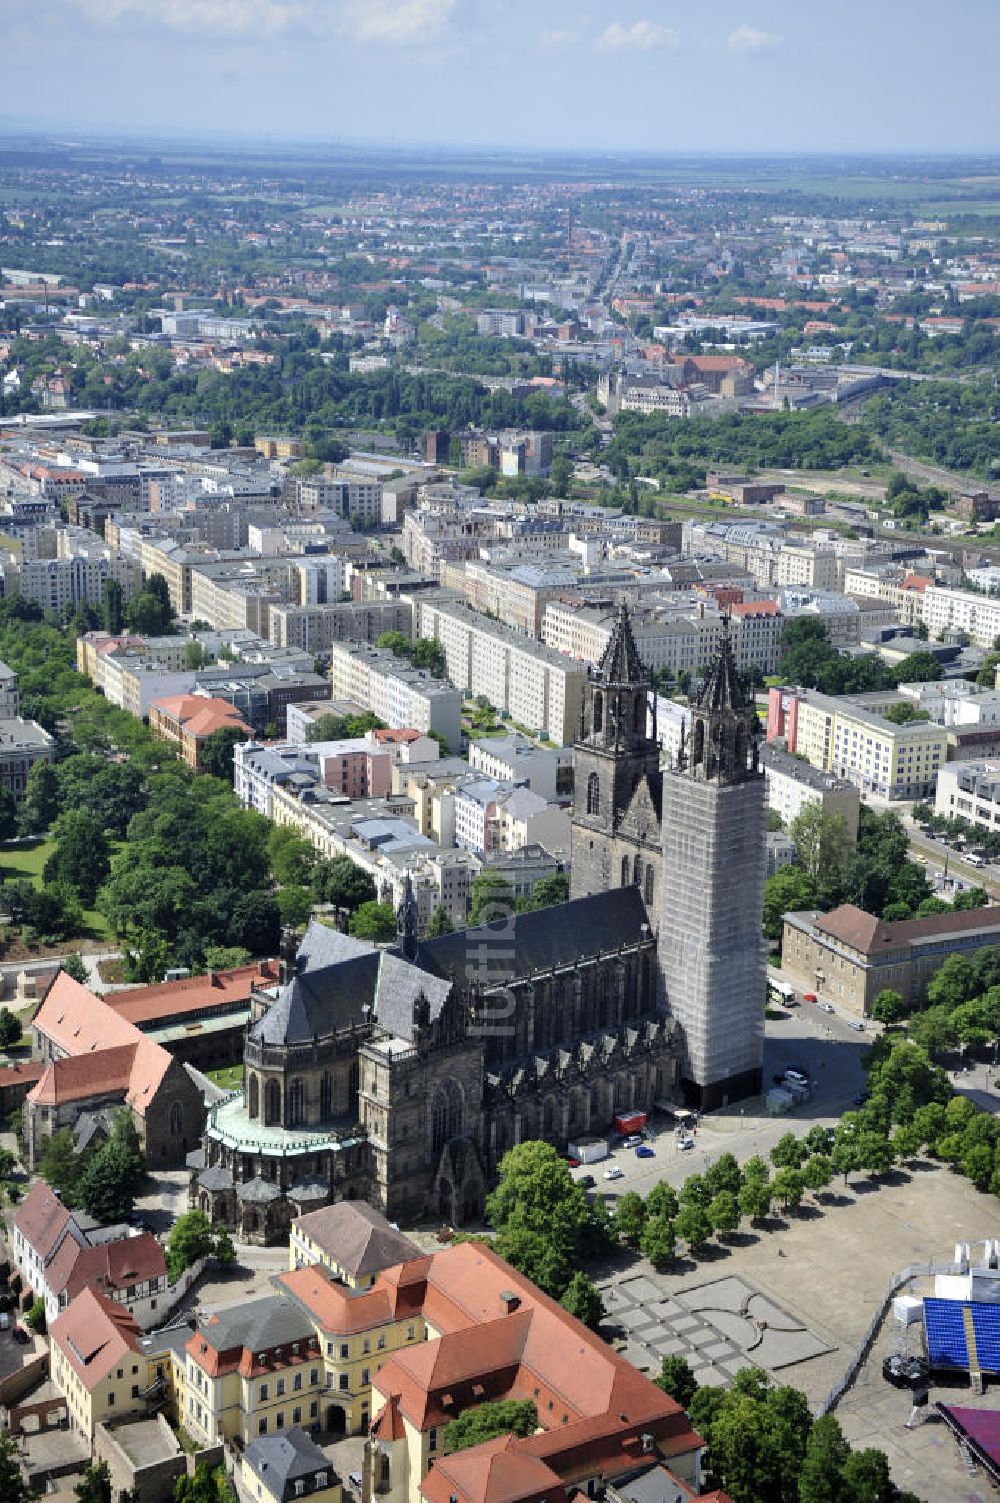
column 216, row 757
column 492, row 898
column 81, row 857
column 888, row 1007
column 13, row 1488
column 694, row 1227
column 10, row 1028
column 73, row 965
column 95, row 1484
column 191, row 1238
column 724, row 1213
column 953, row 983
column 658, row 1241
column 817, row 1172
column 790, row 890
column 59, row 1166
column 486, row 1421
column 344, row 884
column 875, row 1154
column 113, row 1175
column 541, row 1215
column 113, row 608
column 41, row 799
column 550, row 890
column 823, row 845
column 821, row 1477
column 629, row 1218
column 788, row 1152
column 676, row 1378
column 662, row 1201
column 724, row 1174
column 8, row 814
column 373, row 921
column 35, row 1316
column 295, row 904
column 439, row 923
column 583, row 1299
column 867, row 1479
column 787, row 1186
column 755, row 1199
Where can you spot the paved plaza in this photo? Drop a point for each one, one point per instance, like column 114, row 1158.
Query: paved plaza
column 719, row 1327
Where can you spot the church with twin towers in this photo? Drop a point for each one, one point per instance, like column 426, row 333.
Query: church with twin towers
column 691, row 838
column 402, row 1074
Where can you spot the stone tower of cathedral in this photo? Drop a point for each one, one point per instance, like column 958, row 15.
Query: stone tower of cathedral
column 616, row 817
column 711, row 943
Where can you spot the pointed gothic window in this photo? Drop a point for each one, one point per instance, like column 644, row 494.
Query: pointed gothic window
column 598, row 713
column 639, row 724
column 637, row 872
column 593, row 794
column 649, row 886
column 446, row 1114
column 625, row 871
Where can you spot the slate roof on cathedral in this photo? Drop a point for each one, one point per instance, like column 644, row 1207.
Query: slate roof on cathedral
column 543, row 939
column 336, row 976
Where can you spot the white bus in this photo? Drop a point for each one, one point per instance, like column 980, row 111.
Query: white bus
column 782, row 992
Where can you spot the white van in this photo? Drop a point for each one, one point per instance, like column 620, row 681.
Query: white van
column 973, row 860
column 797, row 1077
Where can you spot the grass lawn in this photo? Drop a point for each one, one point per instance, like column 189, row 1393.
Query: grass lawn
column 25, row 862
column 230, row 1077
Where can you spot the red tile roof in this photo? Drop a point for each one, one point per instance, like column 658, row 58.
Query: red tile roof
column 495, row 1472
column 42, row 1219
column 134, row 1071
column 78, row 1022
column 168, row 999
column 112, row 1266
column 94, row 1335
column 197, row 715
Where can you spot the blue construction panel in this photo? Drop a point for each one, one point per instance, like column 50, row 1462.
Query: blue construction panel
column 986, row 1324
column 945, row 1333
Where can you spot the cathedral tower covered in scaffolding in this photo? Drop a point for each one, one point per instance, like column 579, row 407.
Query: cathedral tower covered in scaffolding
column 711, row 946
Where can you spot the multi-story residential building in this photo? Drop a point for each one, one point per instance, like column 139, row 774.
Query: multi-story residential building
column 840, row 615
column 848, row 956
column 539, row 688
column 57, row 1259
column 352, row 768
column 315, row 628
column 970, row 790
column 357, row 500
column 22, row 744
column 395, row 691
column 802, row 564
column 854, row 741
column 132, row 682
column 518, row 591
column 794, row 785
column 10, row 696
column 351, row 1241
column 951, row 610
column 61, row 584
column 676, row 633
column 547, row 771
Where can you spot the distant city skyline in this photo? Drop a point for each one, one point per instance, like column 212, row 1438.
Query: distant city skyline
column 759, row 76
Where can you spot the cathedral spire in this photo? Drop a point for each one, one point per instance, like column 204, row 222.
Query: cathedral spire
column 408, row 920
column 621, row 663
column 725, row 730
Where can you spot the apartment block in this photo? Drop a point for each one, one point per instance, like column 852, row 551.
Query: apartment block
column 539, row 688
column 970, row 790
column 399, row 694
column 815, row 568
column 315, row 628
column 852, row 741
column 948, row 610
column 794, row 785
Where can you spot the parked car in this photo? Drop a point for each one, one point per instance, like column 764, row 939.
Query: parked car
column 809, row 997
column 686, row 1142
column 856, row 1024
column 21, row 1335
column 587, row 1181
column 615, row 1172
column 633, row 1140
column 643, row 1151
column 825, row 1007
column 572, row 1162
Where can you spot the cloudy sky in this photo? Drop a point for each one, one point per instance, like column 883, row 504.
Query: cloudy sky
column 658, row 75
